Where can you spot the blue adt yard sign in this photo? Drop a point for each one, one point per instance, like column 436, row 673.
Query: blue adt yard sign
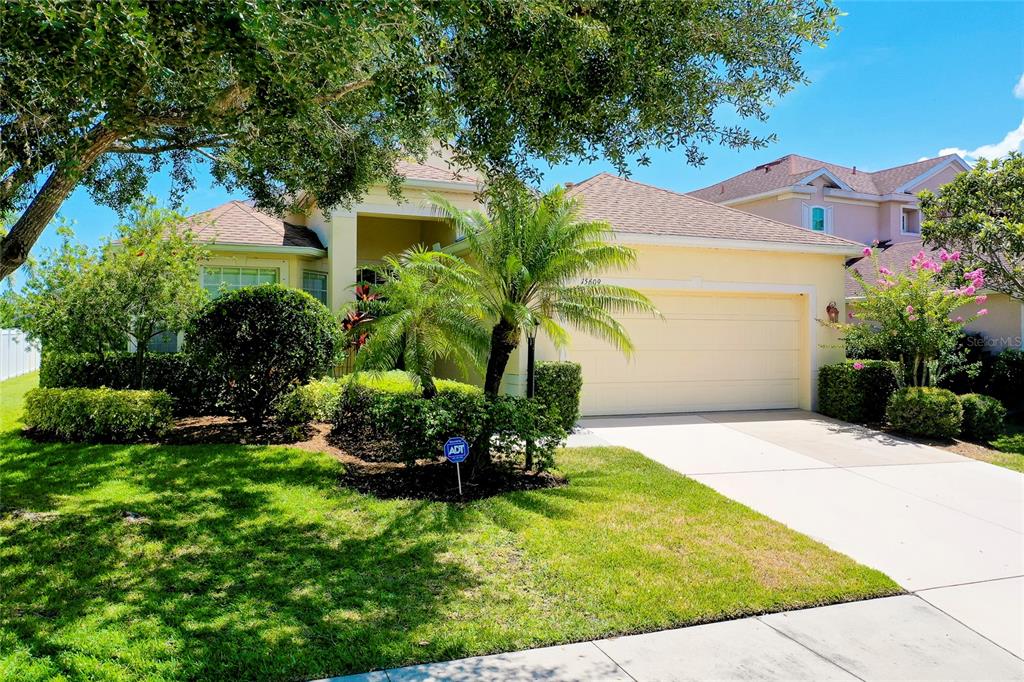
column 457, row 450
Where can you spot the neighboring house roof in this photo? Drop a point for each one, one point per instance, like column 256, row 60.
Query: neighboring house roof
column 896, row 258
column 633, row 207
column 799, row 170
column 436, row 172
column 237, row 222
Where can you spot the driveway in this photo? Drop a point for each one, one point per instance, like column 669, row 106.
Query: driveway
column 947, row 528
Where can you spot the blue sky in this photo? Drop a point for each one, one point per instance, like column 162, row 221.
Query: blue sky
column 901, row 81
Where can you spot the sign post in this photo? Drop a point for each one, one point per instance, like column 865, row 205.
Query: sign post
column 457, row 450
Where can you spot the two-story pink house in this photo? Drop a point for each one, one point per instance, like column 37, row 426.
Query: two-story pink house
column 866, row 207
column 845, row 201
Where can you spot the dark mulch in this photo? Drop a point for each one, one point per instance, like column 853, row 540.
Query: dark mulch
column 220, row 429
column 369, row 472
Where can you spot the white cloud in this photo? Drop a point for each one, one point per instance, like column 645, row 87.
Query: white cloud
column 1013, row 141
column 1018, row 89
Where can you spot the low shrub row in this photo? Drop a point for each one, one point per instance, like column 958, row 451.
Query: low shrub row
column 383, row 417
column 868, row 391
column 192, row 387
column 98, row 414
column 858, row 390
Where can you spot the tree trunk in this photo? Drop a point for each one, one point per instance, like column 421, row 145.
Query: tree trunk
column 503, row 342
column 15, row 247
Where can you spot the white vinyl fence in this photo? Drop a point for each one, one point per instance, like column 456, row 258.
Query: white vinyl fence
column 17, row 355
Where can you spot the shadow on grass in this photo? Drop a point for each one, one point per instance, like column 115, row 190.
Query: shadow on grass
column 214, row 562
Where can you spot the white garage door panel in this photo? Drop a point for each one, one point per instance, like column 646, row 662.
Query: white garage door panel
column 711, row 352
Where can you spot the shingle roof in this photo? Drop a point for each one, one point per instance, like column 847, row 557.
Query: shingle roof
column 896, row 258
column 791, row 169
column 236, row 222
column 633, row 207
column 413, row 170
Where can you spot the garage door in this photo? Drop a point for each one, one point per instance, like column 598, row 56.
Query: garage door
column 711, row 352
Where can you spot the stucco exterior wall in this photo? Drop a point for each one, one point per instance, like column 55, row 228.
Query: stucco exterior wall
column 1003, row 327
column 815, row 279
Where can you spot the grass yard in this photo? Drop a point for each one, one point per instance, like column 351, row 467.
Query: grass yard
column 245, row 562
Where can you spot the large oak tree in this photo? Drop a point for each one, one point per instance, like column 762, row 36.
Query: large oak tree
column 324, row 95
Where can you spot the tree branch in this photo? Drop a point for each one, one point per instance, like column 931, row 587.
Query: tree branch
column 169, row 147
column 63, row 179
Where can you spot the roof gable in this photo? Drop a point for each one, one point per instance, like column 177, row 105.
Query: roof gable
column 792, row 169
column 237, row 222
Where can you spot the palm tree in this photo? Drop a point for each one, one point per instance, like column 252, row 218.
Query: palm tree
column 425, row 309
column 537, row 261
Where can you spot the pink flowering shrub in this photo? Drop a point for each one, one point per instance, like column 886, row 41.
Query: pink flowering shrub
column 910, row 314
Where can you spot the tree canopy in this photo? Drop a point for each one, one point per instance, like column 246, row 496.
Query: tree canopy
column 981, row 215
column 291, row 99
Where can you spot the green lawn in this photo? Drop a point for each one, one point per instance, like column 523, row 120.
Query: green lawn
column 1011, row 447
column 224, row 562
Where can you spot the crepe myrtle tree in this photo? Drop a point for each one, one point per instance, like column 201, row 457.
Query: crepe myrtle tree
column 980, row 214
column 913, row 315
column 291, row 101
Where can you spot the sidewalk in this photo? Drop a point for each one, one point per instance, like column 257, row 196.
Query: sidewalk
column 895, row 638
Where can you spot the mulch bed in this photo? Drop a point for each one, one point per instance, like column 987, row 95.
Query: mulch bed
column 428, row 480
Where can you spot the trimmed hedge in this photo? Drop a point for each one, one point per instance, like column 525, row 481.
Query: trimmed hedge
column 98, row 414
column 558, row 387
column 261, row 341
column 318, row 401
column 983, row 417
column 858, row 390
column 923, row 411
column 1007, row 379
column 192, row 388
column 383, row 417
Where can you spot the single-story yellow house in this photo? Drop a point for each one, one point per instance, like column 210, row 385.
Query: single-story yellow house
column 741, row 295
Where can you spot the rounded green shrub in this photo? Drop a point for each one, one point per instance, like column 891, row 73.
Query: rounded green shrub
column 929, row 412
column 258, row 342
column 558, row 388
column 857, row 390
column 98, row 414
column 983, row 417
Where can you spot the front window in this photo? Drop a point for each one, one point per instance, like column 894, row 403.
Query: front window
column 315, row 284
column 818, row 219
column 217, row 280
column 164, row 341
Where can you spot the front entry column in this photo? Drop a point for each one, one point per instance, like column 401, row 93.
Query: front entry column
column 342, row 256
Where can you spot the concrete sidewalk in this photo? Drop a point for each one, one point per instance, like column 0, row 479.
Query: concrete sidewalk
column 896, row 638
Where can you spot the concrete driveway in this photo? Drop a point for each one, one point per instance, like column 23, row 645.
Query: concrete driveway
column 947, row 528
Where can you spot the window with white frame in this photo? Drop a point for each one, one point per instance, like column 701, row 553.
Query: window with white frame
column 910, row 221
column 818, row 218
column 218, row 279
column 315, row 284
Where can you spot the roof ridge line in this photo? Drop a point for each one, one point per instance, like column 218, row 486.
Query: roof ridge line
column 730, row 208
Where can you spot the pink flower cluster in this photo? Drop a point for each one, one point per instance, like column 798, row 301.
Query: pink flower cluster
column 975, row 282
column 945, row 256
column 923, row 262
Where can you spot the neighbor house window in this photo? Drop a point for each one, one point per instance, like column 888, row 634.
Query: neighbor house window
column 218, row 279
column 315, row 284
column 910, row 221
column 818, row 218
